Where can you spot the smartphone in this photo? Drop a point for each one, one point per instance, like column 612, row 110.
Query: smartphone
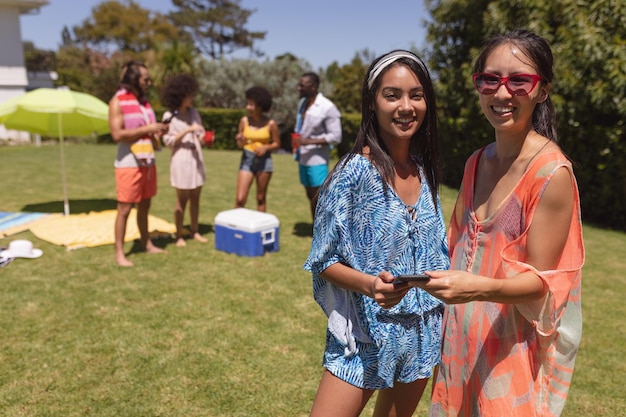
column 412, row 277
column 169, row 119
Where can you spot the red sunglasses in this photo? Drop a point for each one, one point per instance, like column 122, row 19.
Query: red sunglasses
column 517, row 85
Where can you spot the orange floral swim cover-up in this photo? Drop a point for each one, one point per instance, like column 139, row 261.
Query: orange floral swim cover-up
column 510, row 359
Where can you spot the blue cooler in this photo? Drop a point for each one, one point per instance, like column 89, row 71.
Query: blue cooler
column 246, row 232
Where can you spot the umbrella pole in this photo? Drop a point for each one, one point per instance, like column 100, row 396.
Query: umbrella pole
column 66, row 204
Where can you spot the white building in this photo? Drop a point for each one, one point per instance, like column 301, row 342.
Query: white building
column 13, row 76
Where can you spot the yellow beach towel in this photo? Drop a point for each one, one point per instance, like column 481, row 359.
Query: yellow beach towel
column 87, row 230
column 17, row 222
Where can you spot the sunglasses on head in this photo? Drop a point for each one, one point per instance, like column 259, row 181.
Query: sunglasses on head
column 517, row 85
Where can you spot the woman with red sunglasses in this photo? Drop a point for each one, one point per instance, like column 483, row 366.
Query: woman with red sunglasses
column 513, row 322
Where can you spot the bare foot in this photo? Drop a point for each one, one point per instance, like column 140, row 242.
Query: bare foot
column 122, row 260
column 180, row 242
column 197, row 236
column 150, row 248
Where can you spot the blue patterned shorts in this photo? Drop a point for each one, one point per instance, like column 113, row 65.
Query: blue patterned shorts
column 409, row 351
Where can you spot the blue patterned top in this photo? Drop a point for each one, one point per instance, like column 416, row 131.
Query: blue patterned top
column 360, row 225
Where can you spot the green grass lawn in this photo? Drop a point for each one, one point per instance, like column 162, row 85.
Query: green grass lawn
column 198, row 332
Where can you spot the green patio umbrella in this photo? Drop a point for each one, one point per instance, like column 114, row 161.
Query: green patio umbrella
column 56, row 113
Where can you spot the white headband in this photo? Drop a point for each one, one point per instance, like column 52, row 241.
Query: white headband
column 385, row 62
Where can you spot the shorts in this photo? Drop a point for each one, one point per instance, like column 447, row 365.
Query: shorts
column 313, row 176
column 409, row 350
column 135, row 184
column 252, row 163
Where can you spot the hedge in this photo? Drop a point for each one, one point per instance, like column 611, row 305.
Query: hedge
column 601, row 175
column 223, row 122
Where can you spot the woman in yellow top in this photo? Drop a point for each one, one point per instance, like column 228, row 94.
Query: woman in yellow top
column 258, row 136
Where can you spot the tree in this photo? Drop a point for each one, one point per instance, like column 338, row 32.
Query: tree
column 66, row 37
column 223, row 84
column 115, row 33
column 347, row 81
column 454, row 32
column 216, row 26
column 174, row 58
column 126, row 26
column 38, row 59
column 588, row 39
column 89, row 71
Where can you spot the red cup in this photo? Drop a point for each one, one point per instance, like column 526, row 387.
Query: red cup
column 295, row 141
column 209, row 136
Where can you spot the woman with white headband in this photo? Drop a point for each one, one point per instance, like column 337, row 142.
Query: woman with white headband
column 379, row 217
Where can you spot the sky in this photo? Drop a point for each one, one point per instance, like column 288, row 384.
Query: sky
column 320, row 31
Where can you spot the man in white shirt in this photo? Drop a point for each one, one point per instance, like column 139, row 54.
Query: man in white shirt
column 319, row 126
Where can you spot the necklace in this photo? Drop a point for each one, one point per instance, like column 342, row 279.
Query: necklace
column 536, row 153
column 405, row 169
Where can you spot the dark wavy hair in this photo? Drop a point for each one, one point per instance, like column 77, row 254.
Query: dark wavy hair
column 261, row 97
column 177, row 88
column 424, row 143
column 538, row 51
column 131, row 73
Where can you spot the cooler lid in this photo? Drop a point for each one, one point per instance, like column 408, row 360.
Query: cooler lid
column 246, row 220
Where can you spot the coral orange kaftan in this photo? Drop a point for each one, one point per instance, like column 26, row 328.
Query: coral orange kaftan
column 510, row 359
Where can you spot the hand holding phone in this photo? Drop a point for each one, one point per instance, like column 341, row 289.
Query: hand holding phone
column 411, row 278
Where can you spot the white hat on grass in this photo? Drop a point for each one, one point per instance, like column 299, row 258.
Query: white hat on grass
column 21, row 249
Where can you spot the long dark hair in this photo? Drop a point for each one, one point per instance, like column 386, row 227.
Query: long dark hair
column 424, row 143
column 131, row 73
column 538, row 51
